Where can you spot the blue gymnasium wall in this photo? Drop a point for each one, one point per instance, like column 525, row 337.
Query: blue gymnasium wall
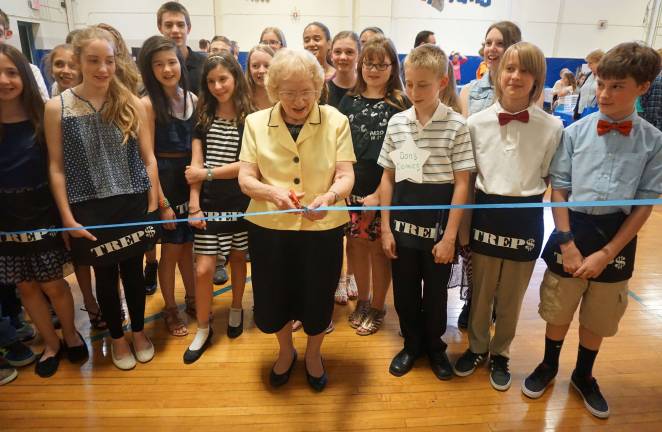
column 554, row 66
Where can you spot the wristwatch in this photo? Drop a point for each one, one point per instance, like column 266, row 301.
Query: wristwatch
column 563, row 237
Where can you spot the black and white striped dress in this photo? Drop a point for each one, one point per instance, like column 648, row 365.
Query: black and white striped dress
column 222, row 145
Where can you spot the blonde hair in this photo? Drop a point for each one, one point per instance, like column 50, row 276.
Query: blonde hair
column 595, row 56
column 121, row 108
column 532, row 60
column 433, row 58
column 288, row 63
column 249, row 78
column 126, row 69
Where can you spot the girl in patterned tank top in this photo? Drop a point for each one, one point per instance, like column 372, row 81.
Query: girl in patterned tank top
column 102, row 170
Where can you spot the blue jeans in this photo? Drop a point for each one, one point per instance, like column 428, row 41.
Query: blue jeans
column 7, row 331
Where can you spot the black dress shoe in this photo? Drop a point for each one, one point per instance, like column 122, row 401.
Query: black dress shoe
column 151, row 269
column 402, row 363
column 191, row 356
column 49, row 366
column 317, row 383
column 77, row 353
column 441, row 366
column 234, row 332
column 277, row 380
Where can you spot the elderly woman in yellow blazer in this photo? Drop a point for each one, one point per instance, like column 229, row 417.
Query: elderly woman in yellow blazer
column 297, row 154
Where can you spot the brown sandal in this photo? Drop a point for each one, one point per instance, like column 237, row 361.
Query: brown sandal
column 372, row 323
column 173, row 321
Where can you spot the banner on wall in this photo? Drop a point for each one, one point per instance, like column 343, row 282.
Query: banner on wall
column 439, row 4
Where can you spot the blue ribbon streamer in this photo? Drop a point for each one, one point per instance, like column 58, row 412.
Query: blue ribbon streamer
column 576, row 204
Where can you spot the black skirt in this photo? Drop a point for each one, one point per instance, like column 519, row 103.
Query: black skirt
column 295, row 274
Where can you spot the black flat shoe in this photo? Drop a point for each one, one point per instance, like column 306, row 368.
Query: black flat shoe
column 277, row 380
column 191, row 356
column 317, row 383
column 234, row 332
column 402, row 363
column 151, row 269
column 441, row 366
column 77, row 353
column 49, row 366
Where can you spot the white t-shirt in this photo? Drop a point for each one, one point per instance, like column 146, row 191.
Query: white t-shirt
column 43, row 91
column 513, row 160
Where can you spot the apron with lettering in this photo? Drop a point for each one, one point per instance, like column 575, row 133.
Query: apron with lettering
column 223, row 198
column 26, row 211
column 114, row 245
column 420, row 229
column 592, row 233
column 173, row 183
column 508, row 233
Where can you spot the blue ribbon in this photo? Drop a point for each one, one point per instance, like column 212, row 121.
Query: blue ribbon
column 576, row 204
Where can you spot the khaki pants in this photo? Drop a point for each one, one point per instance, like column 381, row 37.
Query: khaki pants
column 503, row 281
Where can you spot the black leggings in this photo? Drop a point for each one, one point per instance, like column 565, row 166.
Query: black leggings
column 422, row 310
column 131, row 271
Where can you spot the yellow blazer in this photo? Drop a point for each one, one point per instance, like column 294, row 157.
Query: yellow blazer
column 307, row 165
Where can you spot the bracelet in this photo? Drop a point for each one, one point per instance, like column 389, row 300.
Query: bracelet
column 335, row 195
column 209, row 175
column 164, row 203
column 191, row 213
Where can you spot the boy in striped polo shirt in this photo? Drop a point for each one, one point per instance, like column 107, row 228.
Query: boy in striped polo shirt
column 427, row 158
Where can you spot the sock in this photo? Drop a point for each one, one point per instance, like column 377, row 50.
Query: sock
column 235, row 317
column 585, row 360
column 200, row 338
column 552, row 353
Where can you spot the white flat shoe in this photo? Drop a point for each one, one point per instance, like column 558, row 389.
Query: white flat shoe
column 127, row 362
column 147, row 354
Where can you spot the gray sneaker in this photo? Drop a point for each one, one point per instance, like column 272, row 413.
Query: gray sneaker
column 468, row 362
column 24, row 331
column 499, row 374
column 8, row 373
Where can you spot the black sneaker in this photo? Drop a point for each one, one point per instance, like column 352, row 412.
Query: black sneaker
column 463, row 319
column 499, row 374
column 151, row 269
column 17, row 354
column 535, row 384
column 593, row 400
column 468, row 362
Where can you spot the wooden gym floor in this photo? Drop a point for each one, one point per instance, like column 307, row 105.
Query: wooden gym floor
column 227, row 389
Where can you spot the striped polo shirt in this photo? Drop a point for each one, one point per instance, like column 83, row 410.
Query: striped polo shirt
column 445, row 136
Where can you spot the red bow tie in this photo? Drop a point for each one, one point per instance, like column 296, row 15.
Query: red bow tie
column 623, row 127
column 505, row 118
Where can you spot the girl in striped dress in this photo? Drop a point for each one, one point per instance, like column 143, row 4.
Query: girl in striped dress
column 223, row 105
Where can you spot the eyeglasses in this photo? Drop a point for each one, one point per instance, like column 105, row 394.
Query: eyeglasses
column 291, row 96
column 271, row 43
column 378, row 66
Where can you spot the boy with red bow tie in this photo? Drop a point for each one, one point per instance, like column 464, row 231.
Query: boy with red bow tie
column 612, row 154
column 514, row 142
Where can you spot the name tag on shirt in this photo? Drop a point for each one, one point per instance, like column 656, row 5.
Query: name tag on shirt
column 409, row 161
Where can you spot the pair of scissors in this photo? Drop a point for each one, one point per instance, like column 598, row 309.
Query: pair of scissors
column 293, row 196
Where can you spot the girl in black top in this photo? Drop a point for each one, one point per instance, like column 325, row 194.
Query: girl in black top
column 345, row 49
column 170, row 112
column 35, row 261
column 369, row 105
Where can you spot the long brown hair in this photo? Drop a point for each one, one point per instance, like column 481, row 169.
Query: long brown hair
column 30, row 98
column 121, row 106
column 381, row 48
column 249, row 78
column 207, row 103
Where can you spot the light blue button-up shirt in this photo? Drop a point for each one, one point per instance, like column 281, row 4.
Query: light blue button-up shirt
column 608, row 167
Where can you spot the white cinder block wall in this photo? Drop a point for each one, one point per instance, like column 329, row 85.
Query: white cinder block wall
column 562, row 28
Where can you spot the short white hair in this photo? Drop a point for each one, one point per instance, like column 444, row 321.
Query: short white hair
column 288, row 63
